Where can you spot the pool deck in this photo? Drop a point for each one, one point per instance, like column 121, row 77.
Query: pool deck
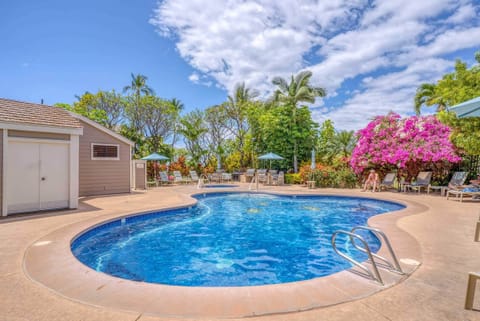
column 40, row 281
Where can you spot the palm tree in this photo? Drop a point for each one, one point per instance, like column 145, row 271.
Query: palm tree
column 345, row 142
column 178, row 105
column 236, row 111
column 139, row 86
column 427, row 94
column 298, row 90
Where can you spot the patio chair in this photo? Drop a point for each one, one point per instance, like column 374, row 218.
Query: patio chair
column 178, row 178
column 456, row 182
column 278, row 179
column 272, row 174
column 262, row 175
column 194, row 176
column 466, row 191
column 215, row 177
column 388, row 181
column 422, row 181
column 249, row 174
column 164, row 178
column 226, row 177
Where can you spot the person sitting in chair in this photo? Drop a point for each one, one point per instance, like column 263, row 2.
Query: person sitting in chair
column 372, row 181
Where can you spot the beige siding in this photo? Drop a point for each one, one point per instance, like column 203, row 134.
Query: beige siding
column 1, row 170
column 27, row 134
column 98, row 177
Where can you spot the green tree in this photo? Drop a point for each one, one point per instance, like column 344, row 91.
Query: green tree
column 326, row 142
column 345, row 142
column 159, row 117
column 465, row 132
column 454, row 88
column 193, row 130
column 291, row 94
column 236, row 115
column 217, row 128
column 137, row 88
column 428, row 95
column 178, row 106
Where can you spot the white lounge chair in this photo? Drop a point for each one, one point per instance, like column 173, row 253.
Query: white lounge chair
column 164, row 178
column 466, row 191
column 178, row 178
column 194, row 176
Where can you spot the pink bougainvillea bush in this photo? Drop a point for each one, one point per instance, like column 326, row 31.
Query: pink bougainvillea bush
column 410, row 144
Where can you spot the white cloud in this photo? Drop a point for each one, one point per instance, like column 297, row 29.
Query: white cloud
column 194, row 78
column 394, row 45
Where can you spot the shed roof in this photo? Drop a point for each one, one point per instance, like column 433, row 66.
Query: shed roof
column 13, row 111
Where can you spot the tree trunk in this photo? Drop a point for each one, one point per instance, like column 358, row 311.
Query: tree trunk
column 295, row 162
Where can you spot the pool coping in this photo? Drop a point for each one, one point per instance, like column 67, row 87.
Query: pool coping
column 49, row 261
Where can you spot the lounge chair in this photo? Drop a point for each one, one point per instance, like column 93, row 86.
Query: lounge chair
column 388, row 181
column 178, row 178
column 422, row 181
column 249, row 174
column 164, row 178
column 456, row 182
column 194, row 176
column 466, row 191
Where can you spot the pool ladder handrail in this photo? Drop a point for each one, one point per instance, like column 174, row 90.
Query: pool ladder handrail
column 375, row 275
column 395, row 267
column 201, row 181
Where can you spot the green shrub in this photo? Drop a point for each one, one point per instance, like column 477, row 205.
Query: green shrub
column 293, row 179
column 327, row 176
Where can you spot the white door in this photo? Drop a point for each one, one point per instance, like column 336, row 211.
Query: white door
column 23, row 177
column 37, row 176
column 54, row 176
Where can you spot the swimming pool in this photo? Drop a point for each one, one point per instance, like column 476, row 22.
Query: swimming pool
column 230, row 239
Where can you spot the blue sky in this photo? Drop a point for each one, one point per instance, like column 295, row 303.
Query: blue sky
column 369, row 55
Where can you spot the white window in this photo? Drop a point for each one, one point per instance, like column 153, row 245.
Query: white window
column 105, row 151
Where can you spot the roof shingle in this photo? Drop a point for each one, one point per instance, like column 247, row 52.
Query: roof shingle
column 13, row 111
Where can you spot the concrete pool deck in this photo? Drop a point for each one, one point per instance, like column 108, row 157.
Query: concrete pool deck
column 440, row 235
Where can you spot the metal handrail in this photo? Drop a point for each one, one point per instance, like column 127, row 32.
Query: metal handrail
column 375, row 275
column 395, row 267
column 201, row 180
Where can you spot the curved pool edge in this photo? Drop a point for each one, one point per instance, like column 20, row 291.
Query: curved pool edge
column 49, row 262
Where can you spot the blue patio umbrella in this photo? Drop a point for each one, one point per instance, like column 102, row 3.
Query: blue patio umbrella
column 155, row 157
column 270, row 157
column 469, row 108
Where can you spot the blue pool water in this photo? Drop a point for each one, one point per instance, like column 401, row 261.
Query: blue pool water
column 231, row 239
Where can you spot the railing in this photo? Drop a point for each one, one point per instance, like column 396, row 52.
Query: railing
column 385, row 263
column 395, row 267
column 375, row 275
